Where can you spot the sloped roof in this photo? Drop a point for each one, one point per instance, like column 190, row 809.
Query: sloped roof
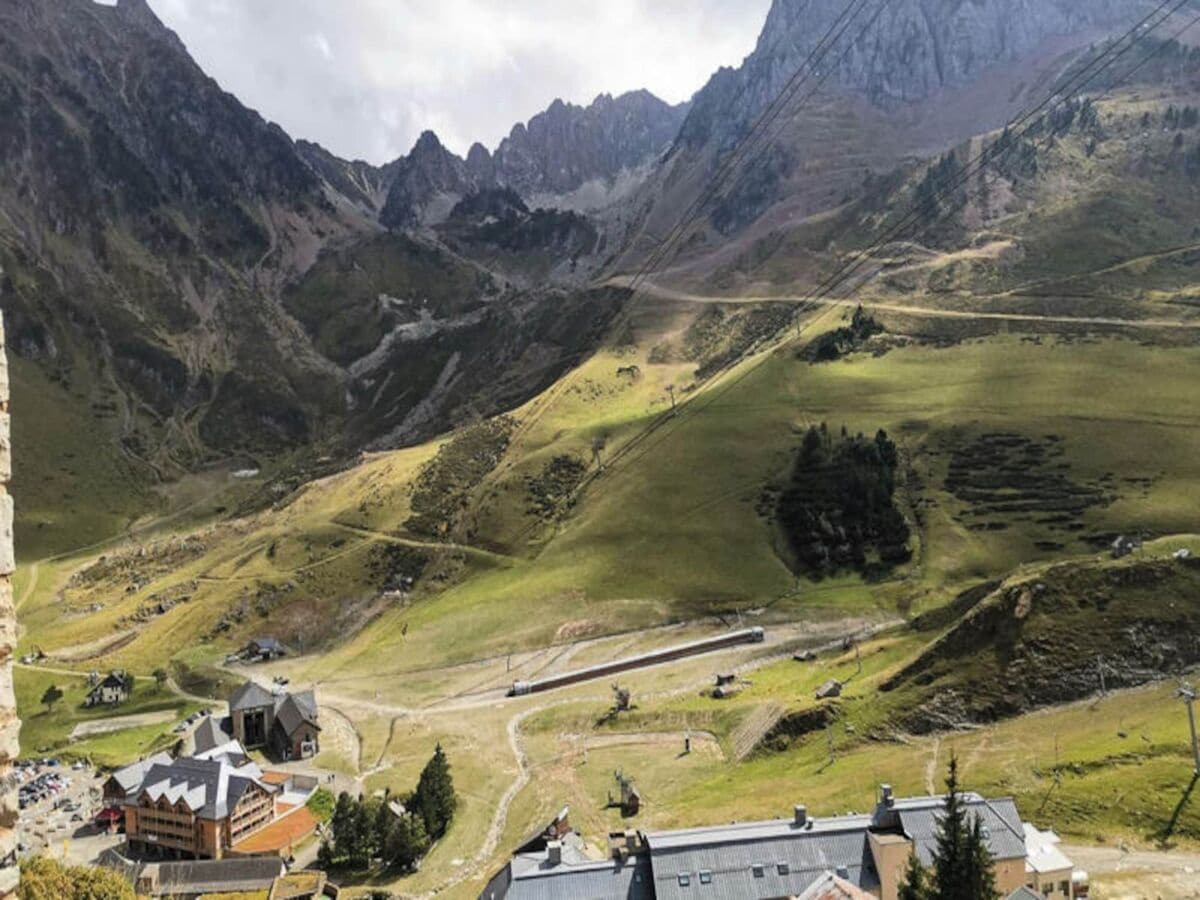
column 607, row 880
column 833, row 887
column 761, row 859
column 219, row 876
column 212, row 732
column 1042, row 853
column 250, row 696
column 1024, row 893
column 293, row 710
column 130, row 776
column 1002, row 829
column 209, row 788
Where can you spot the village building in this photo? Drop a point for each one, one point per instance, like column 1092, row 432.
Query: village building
column 128, row 779
column 195, row 808
column 263, row 649
column 1049, row 873
column 115, row 688
column 198, row 877
column 284, row 724
column 848, row 857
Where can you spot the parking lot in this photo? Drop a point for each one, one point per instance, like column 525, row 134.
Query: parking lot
column 58, row 806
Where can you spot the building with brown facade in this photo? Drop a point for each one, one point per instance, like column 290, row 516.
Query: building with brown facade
column 195, row 808
column 284, row 724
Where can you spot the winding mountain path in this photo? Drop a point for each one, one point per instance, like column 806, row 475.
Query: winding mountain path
column 925, row 312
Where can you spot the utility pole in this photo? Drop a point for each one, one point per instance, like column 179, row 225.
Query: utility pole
column 858, row 657
column 671, row 391
column 829, row 738
column 1188, row 695
column 1100, row 669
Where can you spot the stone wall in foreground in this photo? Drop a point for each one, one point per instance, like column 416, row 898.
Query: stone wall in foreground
column 9, row 724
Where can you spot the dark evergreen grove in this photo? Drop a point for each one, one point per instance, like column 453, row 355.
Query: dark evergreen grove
column 838, row 511
column 837, row 343
column 364, row 830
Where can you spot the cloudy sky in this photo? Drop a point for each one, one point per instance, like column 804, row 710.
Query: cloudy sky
column 365, row 77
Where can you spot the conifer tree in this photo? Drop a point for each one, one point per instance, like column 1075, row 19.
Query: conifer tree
column 962, row 863
column 407, row 842
column 434, row 799
column 915, row 883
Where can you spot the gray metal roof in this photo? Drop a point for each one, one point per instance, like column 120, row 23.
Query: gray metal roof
column 209, row 788
column 218, row 876
column 293, row 710
column 1002, row 827
column 777, row 858
column 130, row 776
column 212, row 732
column 761, row 859
column 607, row 880
column 250, row 696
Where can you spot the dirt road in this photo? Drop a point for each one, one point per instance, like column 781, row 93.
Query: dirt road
column 925, row 312
column 1117, row 874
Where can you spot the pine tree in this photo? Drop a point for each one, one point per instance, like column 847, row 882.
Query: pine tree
column 915, row 884
column 949, row 869
column 325, row 854
column 434, row 799
column 962, row 863
column 979, row 865
column 341, row 817
column 407, row 842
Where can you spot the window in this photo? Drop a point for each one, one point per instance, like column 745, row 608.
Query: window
column 758, row 870
column 782, row 868
column 684, row 879
column 705, row 876
column 1064, row 888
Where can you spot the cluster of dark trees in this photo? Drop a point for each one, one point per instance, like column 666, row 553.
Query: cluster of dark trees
column 364, row 830
column 1187, row 117
column 839, row 511
column 963, row 868
column 941, row 188
column 837, row 343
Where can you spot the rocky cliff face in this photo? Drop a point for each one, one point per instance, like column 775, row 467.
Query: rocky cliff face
column 557, row 152
column 561, row 149
column 908, row 78
column 906, row 53
column 148, row 219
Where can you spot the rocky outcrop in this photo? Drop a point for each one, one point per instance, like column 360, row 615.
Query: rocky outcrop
column 555, row 153
column 559, row 150
column 1053, row 639
column 428, row 183
column 907, row 53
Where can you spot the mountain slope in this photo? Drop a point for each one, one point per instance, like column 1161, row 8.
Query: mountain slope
column 905, row 79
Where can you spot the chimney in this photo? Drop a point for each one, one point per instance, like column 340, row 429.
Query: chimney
column 800, row 812
column 554, row 853
column 885, row 795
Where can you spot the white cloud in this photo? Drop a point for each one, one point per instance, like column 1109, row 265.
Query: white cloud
column 365, row 77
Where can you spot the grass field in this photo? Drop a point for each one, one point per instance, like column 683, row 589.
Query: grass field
column 1021, row 444
column 47, row 730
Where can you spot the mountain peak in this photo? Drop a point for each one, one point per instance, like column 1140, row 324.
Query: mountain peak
column 428, row 142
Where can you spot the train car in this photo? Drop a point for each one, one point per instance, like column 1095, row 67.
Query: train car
column 667, row 654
